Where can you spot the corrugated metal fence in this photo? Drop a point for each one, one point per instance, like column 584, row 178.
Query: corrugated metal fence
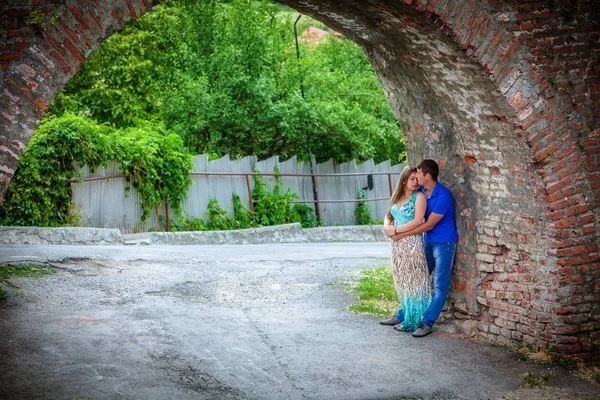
column 104, row 199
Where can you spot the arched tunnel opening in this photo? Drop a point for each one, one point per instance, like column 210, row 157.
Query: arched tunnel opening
column 502, row 94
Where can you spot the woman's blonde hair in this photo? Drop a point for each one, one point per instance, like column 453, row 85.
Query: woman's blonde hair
column 400, row 188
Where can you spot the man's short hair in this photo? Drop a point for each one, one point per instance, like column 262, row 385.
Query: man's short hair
column 429, row 167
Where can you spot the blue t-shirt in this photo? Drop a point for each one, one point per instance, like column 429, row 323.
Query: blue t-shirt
column 440, row 201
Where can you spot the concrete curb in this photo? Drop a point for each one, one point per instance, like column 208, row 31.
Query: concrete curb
column 58, row 236
column 353, row 233
column 289, row 233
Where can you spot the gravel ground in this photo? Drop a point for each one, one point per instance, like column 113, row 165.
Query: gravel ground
column 232, row 322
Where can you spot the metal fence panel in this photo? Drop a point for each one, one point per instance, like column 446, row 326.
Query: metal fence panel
column 110, row 203
column 196, row 203
column 113, row 203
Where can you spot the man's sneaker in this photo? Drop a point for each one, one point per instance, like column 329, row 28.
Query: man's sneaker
column 423, row 330
column 390, row 321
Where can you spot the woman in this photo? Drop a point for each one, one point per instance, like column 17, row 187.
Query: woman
column 411, row 276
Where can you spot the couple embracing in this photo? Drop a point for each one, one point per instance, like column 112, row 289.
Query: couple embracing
column 420, row 224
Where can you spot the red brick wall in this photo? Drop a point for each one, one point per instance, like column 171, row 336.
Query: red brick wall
column 36, row 61
column 556, row 109
column 503, row 93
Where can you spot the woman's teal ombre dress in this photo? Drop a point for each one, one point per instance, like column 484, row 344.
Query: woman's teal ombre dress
column 411, row 276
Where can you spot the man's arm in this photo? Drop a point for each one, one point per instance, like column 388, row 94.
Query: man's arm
column 420, row 208
column 424, row 227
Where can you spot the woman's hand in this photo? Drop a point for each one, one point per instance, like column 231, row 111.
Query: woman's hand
column 390, row 230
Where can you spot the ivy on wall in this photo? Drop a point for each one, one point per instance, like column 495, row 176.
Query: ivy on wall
column 40, row 191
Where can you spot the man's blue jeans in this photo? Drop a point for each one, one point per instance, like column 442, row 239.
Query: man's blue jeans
column 440, row 257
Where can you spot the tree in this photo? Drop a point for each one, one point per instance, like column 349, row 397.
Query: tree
column 224, row 77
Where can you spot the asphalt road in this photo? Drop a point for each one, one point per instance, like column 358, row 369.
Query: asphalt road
column 232, row 322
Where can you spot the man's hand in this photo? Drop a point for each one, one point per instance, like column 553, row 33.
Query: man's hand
column 399, row 236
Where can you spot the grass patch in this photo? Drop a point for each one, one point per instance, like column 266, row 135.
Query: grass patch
column 528, row 353
column 591, row 374
column 375, row 291
column 22, row 271
column 535, row 380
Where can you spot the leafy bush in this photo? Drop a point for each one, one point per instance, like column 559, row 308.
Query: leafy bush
column 305, row 215
column 156, row 164
column 270, row 208
column 273, row 208
column 242, row 215
column 40, row 191
column 184, row 224
column 362, row 211
column 217, row 219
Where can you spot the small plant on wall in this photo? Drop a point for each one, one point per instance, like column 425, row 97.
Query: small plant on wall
column 41, row 19
column 363, row 212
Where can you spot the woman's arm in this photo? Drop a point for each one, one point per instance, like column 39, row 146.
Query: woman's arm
column 420, row 207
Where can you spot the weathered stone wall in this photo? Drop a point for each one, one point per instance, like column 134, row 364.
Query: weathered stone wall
column 504, row 94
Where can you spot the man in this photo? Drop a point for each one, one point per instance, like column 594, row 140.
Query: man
column 439, row 237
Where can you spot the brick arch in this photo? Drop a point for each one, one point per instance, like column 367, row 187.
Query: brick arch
column 504, row 94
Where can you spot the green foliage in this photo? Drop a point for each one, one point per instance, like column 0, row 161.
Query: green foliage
column 224, row 77
column 524, row 352
column 362, row 211
column 42, row 19
column 276, row 207
column 156, row 164
column 125, row 81
column 270, row 208
column 305, row 215
column 183, row 224
column 40, row 191
column 242, row 215
column 376, row 292
column 348, row 114
column 217, row 217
